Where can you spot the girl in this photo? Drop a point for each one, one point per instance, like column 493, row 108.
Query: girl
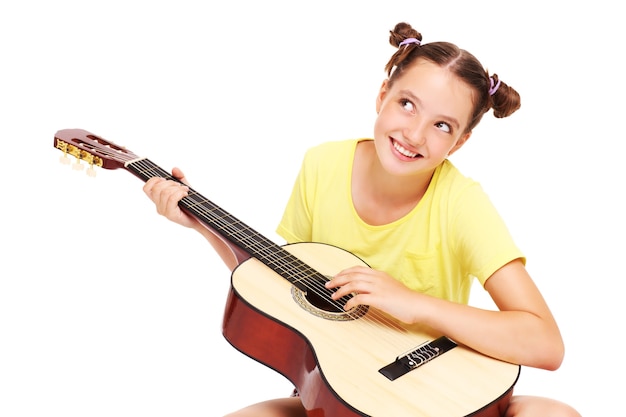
column 399, row 191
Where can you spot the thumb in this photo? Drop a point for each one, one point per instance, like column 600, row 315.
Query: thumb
column 179, row 175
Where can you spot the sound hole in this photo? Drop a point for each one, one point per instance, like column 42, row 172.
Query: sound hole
column 317, row 301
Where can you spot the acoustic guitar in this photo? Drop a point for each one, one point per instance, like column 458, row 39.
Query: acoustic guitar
column 360, row 362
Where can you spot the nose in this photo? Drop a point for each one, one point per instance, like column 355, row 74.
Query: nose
column 415, row 132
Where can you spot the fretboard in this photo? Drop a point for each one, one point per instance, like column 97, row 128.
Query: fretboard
column 232, row 229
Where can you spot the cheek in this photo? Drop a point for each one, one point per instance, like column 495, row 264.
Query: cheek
column 440, row 147
column 384, row 121
column 379, row 127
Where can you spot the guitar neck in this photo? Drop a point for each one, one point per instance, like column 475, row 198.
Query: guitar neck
column 227, row 225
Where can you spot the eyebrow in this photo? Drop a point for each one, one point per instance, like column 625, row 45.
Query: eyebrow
column 415, row 99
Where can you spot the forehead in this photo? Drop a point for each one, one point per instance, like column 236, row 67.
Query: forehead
column 438, row 90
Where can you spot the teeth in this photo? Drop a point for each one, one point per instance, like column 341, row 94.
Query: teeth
column 404, row 151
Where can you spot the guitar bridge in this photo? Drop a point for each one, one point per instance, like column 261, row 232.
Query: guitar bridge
column 416, row 358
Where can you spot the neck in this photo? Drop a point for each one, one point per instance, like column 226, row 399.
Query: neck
column 380, row 197
column 396, row 189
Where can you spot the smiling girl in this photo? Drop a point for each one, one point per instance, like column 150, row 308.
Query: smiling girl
column 427, row 231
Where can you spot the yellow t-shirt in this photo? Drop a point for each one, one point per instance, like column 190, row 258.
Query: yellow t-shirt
column 451, row 236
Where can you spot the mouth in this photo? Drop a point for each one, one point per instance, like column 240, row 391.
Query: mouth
column 405, row 152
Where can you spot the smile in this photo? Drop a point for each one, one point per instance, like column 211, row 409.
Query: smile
column 401, row 149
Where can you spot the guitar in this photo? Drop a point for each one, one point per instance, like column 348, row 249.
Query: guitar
column 360, row 362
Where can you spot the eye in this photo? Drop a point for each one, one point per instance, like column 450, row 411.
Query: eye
column 445, row 127
column 407, row 105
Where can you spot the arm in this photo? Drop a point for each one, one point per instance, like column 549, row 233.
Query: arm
column 523, row 331
column 166, row 194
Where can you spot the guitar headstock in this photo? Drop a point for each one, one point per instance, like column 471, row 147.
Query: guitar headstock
column 92, row 149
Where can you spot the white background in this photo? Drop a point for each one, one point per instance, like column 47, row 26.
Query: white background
column 108, row 309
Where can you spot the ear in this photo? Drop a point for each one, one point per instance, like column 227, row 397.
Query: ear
column 460, row 142
column 381, row 95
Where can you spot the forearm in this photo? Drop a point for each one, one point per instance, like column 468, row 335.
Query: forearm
column 224, row 251
column 519, row 337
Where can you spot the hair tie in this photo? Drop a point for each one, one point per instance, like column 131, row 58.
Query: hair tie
column 493, row 88
column 408, row 41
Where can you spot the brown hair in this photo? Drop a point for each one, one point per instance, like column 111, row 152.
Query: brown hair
column 504, row 102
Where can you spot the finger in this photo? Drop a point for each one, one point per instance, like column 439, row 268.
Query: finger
column 179, row 175
column 353, row 287
column 171, row 196
column 148, row 187
column 338, row 280
column 355, row 271
column 355, row 301
column 357, row 268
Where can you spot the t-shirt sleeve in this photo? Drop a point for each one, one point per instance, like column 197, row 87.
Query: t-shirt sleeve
column 482, row 240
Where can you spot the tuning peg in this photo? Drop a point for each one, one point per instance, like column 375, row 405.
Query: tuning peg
column 91, row 171
column 64, row 159
column 77, row 166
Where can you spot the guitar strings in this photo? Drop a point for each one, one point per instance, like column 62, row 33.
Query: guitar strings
column 273, row 254
column 299, row 271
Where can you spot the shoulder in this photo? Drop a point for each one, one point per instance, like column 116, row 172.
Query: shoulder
column 449, row 179
column 458, row 193
column 332, row 148
column 464, row 200
column 330, row 156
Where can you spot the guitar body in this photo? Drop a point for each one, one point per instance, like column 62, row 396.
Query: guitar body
column 344, row 364
column 334, row 362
